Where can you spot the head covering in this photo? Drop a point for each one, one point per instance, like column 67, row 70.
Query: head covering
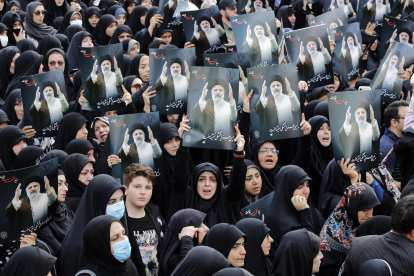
column 47, row 43
column 26, row 45
column 283, row 14
column 4, row 118
column 72, row 53
column 92, row 204
column 29, row 261
column 118, row 31
column 127, row 45
column 310, row 108
column 256, row 230
column 9, row 137
column 69, row 127
column 101, row 38
column 151, row 12
column 59, row 154
column 344, row 219
column 72, row 30
column 128, row 82
column 66, row 21
column 233, row 271
column 54, row 11
column 13, row 3
column 134, row 66
column 6, row 57
column 14, row 97
column 27, row 64
column 81, row 146
column 322, row 109
column 29, row 156
column 2, row 29
column 88, row 14
column 9, row 19
column 106, row 4
column 181, row 219
column 120, row 11
column 36, row 31
column 113, row 9
column 269, row 174
column 57, row 22
column 64, row 41
column 201, row 261
column 156, row 43
column 222, row 237
column 375, row 267
column 135, row 19
column 294, row 255
column 377, row 225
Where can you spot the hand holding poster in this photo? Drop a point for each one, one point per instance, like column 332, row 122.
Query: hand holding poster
column 373, row 11
column 331, row 19
column 355, row 117
column 28, row 199
column 396, row 30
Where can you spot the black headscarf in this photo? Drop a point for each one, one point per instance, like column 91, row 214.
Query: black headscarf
column 57, row 22
column 377, row 225
column 72, row 167
column 54, row 11
column 289, row 178
column 29, row 261
column 118, row 31
column 59, row 154
column 14, row 97
column 47, row 43
column 256, row 230
column 72, row 53
column 135, row 19
column 113, row 9
column 233, row 271
column 92, row 204
column 294, row 255
column 4, row 118
column 310, row 109
column 36, row 31
column 322, row 109
column 128, row 82
column 2, row 29
column 127, row 62
column 97, row 248
column 29, row 156
column 375, row 267
column 156, row 43
column 181, row 219
column 201, row 261
column 269, row 174
column 88, row 14
column 27, row 64
column 13, row 3
column 99, row 33
column 69, row 127
column 72, row 30
column 66, row 21
column 9, row 19
column 134, row 66
column 6, row 57
column 283, row 14
column 222, row 237
column 64, row 41
column 9, row 137
column 106, row 4
column 82, row 146
column 26, row 45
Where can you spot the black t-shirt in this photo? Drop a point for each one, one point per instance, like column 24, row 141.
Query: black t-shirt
column 147, row 239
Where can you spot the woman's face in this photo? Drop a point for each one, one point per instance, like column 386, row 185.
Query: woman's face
column 87, row 42
column 62, row 188
column 11, row 69
column 131, row 7
column 206, row 185
column 117, row 196
column 90, row 155
column 324, row 135
column 365, row 215
column 267, row 160
column 116, row 234
column 124, row 36
column 1, row 5
column 142, row 19
column 136, row 85
column 302, row 190
column 266, row 244
column 134, row 50
column 237, row 253
column 144, row 69
column 17, row 25
column 111, row 29
column 147, row 3
column 86, row 174
column 82, row 132
column 253, row 182
column 317, row 263
column 374, row 45
column 18, row 108
column 56, row 61
column 38, row 14
column 172, row 146
column 202, row 232
column 19, row 146
column 292, row 19
column 59, row 3
column 14, row 8
column 172, row 118
column 76, row 16
column 93, row 20
column 121, row 19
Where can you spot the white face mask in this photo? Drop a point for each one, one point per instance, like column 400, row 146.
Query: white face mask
column 4, row 40
column 76, row 22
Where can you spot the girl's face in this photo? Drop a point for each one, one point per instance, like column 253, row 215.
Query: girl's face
column 18, row 108
column 317, row 263
column 206, row 185
column 253, row 182
column 121, row 19
column 19, row 146
column 93, row 20
column 172, row 146
column 131, row 7
column 62, row 188
column 142, row 19
column 90, row 155
column 86, row 174
column 111, row 29
column 237, row 253
column 82, row 132
column 267, row 244
column 87, row 42
column 134, row 50
column 144, row 69
column 324, row 135
column 374, row 45
column 292, row 19
column 147, row 3
column 302, row 190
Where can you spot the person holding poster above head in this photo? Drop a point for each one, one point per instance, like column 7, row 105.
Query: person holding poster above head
column 50, row 110
column 257, row 6
column 260, row 48
column 402, row 35
column 106, row 84
column 215, row 114
column 349, row 58
column 139, row 151
column 208, row 36
column 347, row 8
column 23, row 213
column 388, row 72
column 314, row 62
column 374, row 12
column 357, row 139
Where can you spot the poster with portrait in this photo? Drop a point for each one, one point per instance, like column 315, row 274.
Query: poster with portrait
column 102, row 77
column 232, row 61
column 204, row 29
column 309, row 49
column 212, row 108
column 373, row 11
column 330, row 19
column 256, row 34
column 388, row 77
column 346, row 6
column 403, row 8
column 252, row 6
column 275, row 105
column 372, row 44
column 355, row 117
column 136, row 138
column 257, row 209
column 282, row 45
column 348, row 50
column 171, row 71
column 396, row 30
column 409, row 17
column 45, row 101
column 231, row 49
column 170, row 11
column 28, row 199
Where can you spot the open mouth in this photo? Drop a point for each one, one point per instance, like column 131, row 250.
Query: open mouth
column 206, row 191
column 269, row 160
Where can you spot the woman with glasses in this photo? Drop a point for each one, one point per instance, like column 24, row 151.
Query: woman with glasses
column 35, row 28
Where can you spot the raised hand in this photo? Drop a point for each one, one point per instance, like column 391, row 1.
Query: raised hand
column 239, row 140
column 321, row 45
column 95, row 67
column 126, row 137
column 47, row 185
column 37, row 95
column 305, row 126
column 164, row 70
column 401, row 67
column 82, row 98
column 347, row 116
column 333, row 3
column 278, row 24
column 195, row 27
column 249, row 32
column 187, row 70
column 246, row 100
column 267, row 4
column 301, row 49
column 357, row 41
column 147, row 95
column 264, row 89
column 29, row 131
column 126, row 98
column 59, row 92
column 243, row 78
column 343, row 43
column 249, row 3
column 369, row 29
column 184, row 127
column 303, row 85
column 151, row 135
column 116, row 65
column 394, row 35
column 113, row 160
column 372, row 115
column 269, row 31
column 288, row 87
column 17, row 193
column 231, row 94
column 349, row 170
column 299, row 202
column 204, row 94
column 188, row 231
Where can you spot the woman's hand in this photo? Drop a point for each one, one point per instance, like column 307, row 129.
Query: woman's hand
column 299, row 202
column 113, row 160
column 28, row 240
column 349, row 170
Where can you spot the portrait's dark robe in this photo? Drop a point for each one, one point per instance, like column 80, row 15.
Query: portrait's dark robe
column 169, row 12
column 305, row 70
column 202, row 44
column 368, row 15
column 20, row 219
column 41, row 117
column 166, row 93
column 268, row 116
column 380, row 80
column 398, row 8
column 255, row 52
column 97, row 90
column 131, row 157
column 346, row 64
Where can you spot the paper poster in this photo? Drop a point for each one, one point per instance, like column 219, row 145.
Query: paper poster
column 259, row 208
column 373, row 11
column 397, row 30
column 171, row 13
column 346, row 6
column 330, row 19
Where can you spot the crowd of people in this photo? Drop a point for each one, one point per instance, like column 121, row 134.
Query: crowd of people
column 325, row 217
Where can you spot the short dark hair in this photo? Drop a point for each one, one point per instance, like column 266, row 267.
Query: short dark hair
column 392, row 112
column 402, row 216
column 137, row 169
column 316, row 245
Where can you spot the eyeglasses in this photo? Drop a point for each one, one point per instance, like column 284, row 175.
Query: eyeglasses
column 136, row 86
column 53, row 63
column 66, row 184
column 125, row 36
column 40, row 12
column 272, row 151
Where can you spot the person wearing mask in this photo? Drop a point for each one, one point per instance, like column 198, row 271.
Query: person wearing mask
column 35, row 28
column 13, row 22
column 13, row 141
column 71, row 18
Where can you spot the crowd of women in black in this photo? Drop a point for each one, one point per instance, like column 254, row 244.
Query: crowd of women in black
column 191, row 223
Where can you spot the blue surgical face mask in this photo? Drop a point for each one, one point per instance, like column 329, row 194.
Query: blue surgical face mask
column 122, row 250
column 116, row 210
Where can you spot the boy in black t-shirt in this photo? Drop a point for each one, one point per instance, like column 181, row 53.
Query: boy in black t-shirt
column 144, row 220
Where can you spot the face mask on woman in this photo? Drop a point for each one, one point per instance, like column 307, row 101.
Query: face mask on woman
column 76, row 22
column 116, row 210
column 122, row 250
column 4, row 40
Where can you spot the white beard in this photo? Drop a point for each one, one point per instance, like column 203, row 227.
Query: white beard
column 139, row 142
column 361, row 123
column 33, row 197
column 218, row 101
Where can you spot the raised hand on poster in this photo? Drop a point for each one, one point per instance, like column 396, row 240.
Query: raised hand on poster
column 349, row 170
column 249, row 33
column 59, row 92
column 321, row 45
column 18, row 193
column 278, row 24
column 302, row 49
column 239, row 140
column 147, row 95
column 369, row 29
column 116, row 65
column 204, row 94
column 29, row 131
column 289, row 88
column 246, row 100
column 47, row 185
column 357, row 41
column 243, row 78
column 151, row 136
column 82, row 98
column 214, row 22
column 347, row 117
column 164, row 70
column 401, row 67
column 126, row 98
column 394, row 35
column 248, row 4
column 343, row 45
column 126, row 137
column 196, row 33
column 372, row 115
column 305, row 126
column 264, row 89
column 269, row 31
column 187, row 70
column 37, row 95
column 340, row 22
column 184, row 127
column 231, row 95
column 95, row 67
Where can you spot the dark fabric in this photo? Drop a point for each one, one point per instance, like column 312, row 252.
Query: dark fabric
column 29, row 261
column 72, row 53
column 36, row 31
column 69, row 127
column 233, row 271
column 66, row 21
column 294, row 255
column 59, row 154
column 64, row 41
column 256, row 231
column 82, row 146
column 72, row 30
column 128, row 82
column 13, row 3
column 156, row 43
column 134, row 66
column 135, row 19
column 222, row 237
column 387, row 142
column 57, row 22
column 322, row 109
column 9, row 137
column 14, row 97
column 310, row 109
column 106, row 4
column 26, row 45
column 54, row 11
column 404, row 149
column 99, row 34
column 408, row 189
column 47, row 43
column 201, row 261
column 118, row 31
column 181, row 219
column 88, row 14
column 9, row 19
column 375, row 267
column 283, row 14
column 27, row 157
column 6, row 58
column 4, row 118
column 377, row 225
